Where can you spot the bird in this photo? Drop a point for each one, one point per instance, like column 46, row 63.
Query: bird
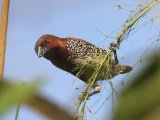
column 80, row 58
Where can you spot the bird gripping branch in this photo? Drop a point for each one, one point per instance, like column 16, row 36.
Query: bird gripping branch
column 79, row 58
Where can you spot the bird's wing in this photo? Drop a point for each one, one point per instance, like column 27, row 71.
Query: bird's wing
column 78, row 39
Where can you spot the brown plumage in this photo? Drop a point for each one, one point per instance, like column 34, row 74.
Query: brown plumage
column 78, row 57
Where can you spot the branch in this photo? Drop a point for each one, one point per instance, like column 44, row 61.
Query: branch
column 3, row 34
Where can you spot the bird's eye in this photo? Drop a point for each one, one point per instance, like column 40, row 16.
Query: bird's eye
column 45, row 42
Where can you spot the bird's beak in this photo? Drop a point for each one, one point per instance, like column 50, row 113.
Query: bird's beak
column 41, row 51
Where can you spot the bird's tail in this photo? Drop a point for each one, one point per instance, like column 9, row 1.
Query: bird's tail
column 122, row 69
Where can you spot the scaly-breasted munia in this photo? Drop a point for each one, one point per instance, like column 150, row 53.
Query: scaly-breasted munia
column 79, row 57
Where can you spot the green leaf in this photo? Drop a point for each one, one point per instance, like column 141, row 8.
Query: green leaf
column 141, row 97
column 11, row 94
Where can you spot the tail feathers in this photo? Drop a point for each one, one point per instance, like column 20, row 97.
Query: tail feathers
column 122, row 69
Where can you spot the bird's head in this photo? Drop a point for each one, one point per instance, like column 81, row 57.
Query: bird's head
column 45, row 44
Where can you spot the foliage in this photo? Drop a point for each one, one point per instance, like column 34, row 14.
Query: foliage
column 141, row 98
column 11, row 94
column 14, row 93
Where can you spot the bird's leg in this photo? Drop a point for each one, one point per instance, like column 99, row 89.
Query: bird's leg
column 115, row 57
column 113, row 47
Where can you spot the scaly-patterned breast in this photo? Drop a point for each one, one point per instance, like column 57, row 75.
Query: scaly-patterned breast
column 81, row 53
column 86, row 58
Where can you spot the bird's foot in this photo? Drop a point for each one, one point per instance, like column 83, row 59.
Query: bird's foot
column 114, row 46
column 97, row 89
column 82, row 97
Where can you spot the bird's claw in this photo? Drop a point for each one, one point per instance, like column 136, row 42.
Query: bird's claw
column 114, row 46
column 82, row 97
column 97, row 89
